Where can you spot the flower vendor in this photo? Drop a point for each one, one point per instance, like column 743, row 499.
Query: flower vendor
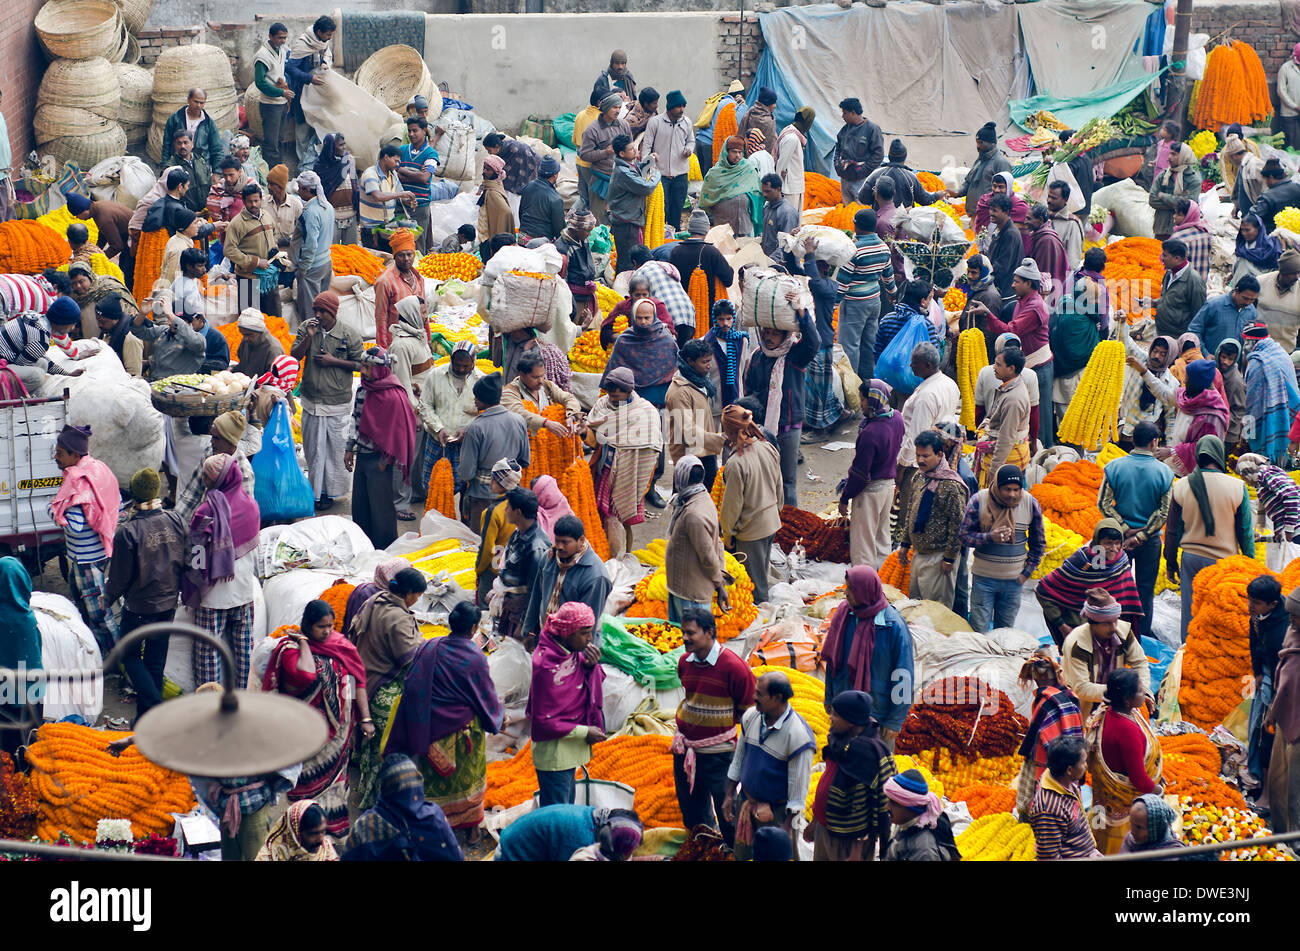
column 336, row 167
column 1226, row 316
column 1272, row 397
column 631, row 182
column 1124, row 759
column 1137, row 491
column 398, row 280
column 1101, row 644
column 114, row 326
column 385, row 572
column 150, row 553
column 567, row 833
column 1067, row 225
column 447, row 706
column 732, row 193
column 772, row 764
column 403, row 825
column 1243, row 171
column 382, row 436
column 572, row 572
column 225, row 436
column 1269, row 623
column 1055, row 712
column 1006, row 427
column 693, row 253
column 1279, row 500
column 638, row 289
column 1284, row 717
column 495, row 433
column 694, row 556
column 1048, row 251
column 719, row 687
column 1182, row 290
column 789, row 156
column 908, row 189
column 688, row 404
column 1057, row 815
column 1101, row 564
column 869, row 648
column 258, row 347
column 387, row 636
column 1176, row 175
column 1279, row 192
column 1201, row 410
column 931, row 512
column 412, row 364
column 1001, row 184
column 532, row 386
column 579, row 269
column 1228, row 360
column 913, row 302
column 823, row 409
column 564, row 701
column 447, row 407
column 987, row 382
column 670, row 137
column 850, row 809
column 1151, row 825
column 1004, row 526
column 506, row 474
column 749, row 515
column 597, row 151
column 987, row 165
column 924, row 833
column 86, row 508
column 299, row 836
column 629, row 433
column 526, row 550
column 1075, row 334
column 314, row 231
column 250, row 244
column 861, row 280
column 21, row 643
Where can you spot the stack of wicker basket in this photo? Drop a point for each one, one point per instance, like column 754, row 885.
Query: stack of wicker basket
column 182, row 68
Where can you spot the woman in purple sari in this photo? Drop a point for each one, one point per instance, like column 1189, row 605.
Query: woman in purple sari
column 447, row 706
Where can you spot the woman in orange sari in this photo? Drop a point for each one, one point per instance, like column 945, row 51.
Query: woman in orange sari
column 1123, row 758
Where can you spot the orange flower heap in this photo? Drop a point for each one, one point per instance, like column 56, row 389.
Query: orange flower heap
column 931, row 182
column 551, row 455
column 893, row 572
column 841, row 216
column 1216, row 657
column 820, row 191
column 1068, row 496
column 724, row 126
column 1133, row 271
column 336, row 596
column 965, row 716
column 17, row 807
column 350, row 259
column 277, row 327
column 27, row 247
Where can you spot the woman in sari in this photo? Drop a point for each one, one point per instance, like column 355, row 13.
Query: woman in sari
column 628, row 431
column 447, row 705
column 363, row 592
column 387, row 636
column 1257, row 250
column 551, row 504
column 1101, row 564
column 402, row 826
column 89, row 288
column 299, row 837
column 338, row 183
column 731, row 192
column 1074, row 335
column 320, row 667
column 1055, row 713
column 1123, row 758
column 1201, row 410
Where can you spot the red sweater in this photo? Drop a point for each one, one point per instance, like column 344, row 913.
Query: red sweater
column 1123, row 747
column 716, row 696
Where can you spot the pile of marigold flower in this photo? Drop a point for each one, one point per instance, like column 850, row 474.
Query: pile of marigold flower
column 1061, row 544
column 587, row 355
column 894, row 572
column 550, row 454
column 444, row 267
column 77, row 782
column 351, row 259
column 1068, row 496
column 660, row 635
column 576, row 485
column 997, row 837
column 17, row 806
column 651, row 594
column 820, row 191
column 1233, row 89
column 27, row 247
column 1133, row 270
column 964, row 716
column 336, row 596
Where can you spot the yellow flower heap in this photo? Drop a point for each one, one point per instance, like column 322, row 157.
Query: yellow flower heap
column 587, row 355
column 972, row 356
column 997, row 837
column 1061, row 544
column 446, row 556
column 1092, row 418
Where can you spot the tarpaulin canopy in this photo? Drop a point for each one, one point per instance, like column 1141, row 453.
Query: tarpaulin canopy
column 1078, row 46
column 1075, row 111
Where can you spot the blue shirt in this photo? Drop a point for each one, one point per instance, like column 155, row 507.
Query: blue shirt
column 1139, row 481
column 317, row 224
column 83, row 543
column 891, row 669
column 424, row 160
column 705, row 135
column 549, row 834
column 1219, row 320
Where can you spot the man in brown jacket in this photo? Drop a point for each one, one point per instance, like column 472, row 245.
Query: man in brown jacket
column 250, row 243
column 1007, row 423
column 694, row 557
column 751, row 500
column 532, row 386
column 931, row 514
column 690, row 415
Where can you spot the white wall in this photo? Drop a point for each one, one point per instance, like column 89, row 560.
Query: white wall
column 513, row 66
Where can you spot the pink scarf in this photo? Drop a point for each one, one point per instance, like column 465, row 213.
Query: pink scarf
column 1163, row 151
column 864, row 585
column 387, row 420
column 92, row 485
column 551, row 504
column 772, row 415
column 225, row 527
column 565, row 692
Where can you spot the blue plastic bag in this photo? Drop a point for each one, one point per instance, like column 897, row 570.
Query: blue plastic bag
column 281, row 489
column 894, row 365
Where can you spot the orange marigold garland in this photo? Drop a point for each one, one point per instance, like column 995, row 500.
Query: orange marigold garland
column 549, row 454
column 148, row 263
column 1133, row 271
column 443, row 267
column 336, row 596
column 894, row 573
column 716, row 492
column 697, row 288
column 820, row 191
column 77, row 782
column 965, row 716
column 931, row 182
column 277, row 326
column 28, row 247
column 841, row 216
column 983, row 799
column 17, row 805
column 576, row 484
column 724, row 126
column 442, row 489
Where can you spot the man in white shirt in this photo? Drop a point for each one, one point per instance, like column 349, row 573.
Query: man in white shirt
column 670, row 137
column 935, row 400
column 789, row 156
column 1279, row 300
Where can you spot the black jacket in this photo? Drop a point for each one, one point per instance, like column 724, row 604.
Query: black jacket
column 1005, row 254
column 1286, row 194
column 541, row 210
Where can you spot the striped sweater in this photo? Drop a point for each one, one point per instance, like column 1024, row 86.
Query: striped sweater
column 1059, row 822
column 870, row 266
column 717, row 694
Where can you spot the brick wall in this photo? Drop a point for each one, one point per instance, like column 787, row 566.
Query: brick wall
column 1259, row 22
column 22, row 63
column 153, row 42
column 730, row 64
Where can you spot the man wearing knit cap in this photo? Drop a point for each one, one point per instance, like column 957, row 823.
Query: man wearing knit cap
column 1101, row 644
column 859, row 149
column 541, row 209
column 495, row 433
column 86, row 508
column 1279, row 300
column 616, row 79
column 788, row 157
column 1003, row 524
column 226, row 436
column 924, row 832
column 285, row 210
column 908, row 190
column 597, row 149
column 630, row 185
column 150, row 553
column 989, row 162
column 400, row 279
column 762, row 116
column 670, row 137
column 327, row 351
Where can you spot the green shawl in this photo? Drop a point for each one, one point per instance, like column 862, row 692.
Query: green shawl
column 1211, row 446
column 726, row 180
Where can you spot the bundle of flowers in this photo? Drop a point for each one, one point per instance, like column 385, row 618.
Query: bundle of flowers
column 77, row 782
column 957, row 771
column 809, row 701
column 931, row 182
column 997, row 837
column 1109, row 453
column 442, row 489
column 352, row 259
column 654, row 218
column 694, row 174
column 797, row 526
column 954, row 300
column 651, row 594
column 576, row 485
column 17, row 807
column 444, row 267
column 1288, row 218
column 551, row 454
column 820, row 191
column 894, row 572
column 1061, row 544
column 1092, row 418
column 841, row 216
column 697, row 289
column 460, row 565
column 1133, row 271
column 653, row 554
column 984, row 799
column 606, row 299
column 27, row 247
column 60, row 218
column 1068, row 496
column 972, row 356
column 965, row 716
column 1234, row 88
column 587, row 355
column 276, row 326
column 148, row 262
column 1203, row 143
column 660, row 635
column 1207, row 823
column 100, row 264
column 336, row 596
column 724, row 126
column 716, row 492
column 1216, row 657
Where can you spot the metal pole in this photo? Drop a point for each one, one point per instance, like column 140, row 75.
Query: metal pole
column 1182, row 853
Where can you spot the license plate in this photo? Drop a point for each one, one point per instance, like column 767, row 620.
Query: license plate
column 27, row 485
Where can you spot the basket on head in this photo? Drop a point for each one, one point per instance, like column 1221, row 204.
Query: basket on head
column 79, row 29
column 89, row 84
column 88, row 150
column 396, row 73
column 135, row 13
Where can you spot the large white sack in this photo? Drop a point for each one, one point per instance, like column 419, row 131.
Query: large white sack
column 340, row 105
column 1127, row 200
column 521, row 300
column 458, row 144
column 919, row 223
column 328, row 542
column 287, row 593
column 995, row 658
column 765, row 300
column 446, row 216
column 545, row 260
column 621, row 696
column 833, row 245
column 357, row 310
column 124, row 179
column 67, row 644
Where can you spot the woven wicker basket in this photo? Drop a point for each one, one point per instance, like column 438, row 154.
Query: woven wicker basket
column 135, row 13
column 88, row 150
column 78, row 29
column 89, row 84
column 55, row 120
column 136, row 83
column 184, row 401
column 122, row 46
column 396, row 73
column 180, row 68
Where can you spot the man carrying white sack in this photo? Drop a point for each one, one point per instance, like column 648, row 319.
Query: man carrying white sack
column 328, row 351
column 313, row 233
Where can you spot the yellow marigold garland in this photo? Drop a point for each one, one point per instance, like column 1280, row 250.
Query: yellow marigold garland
column 1092, row 417
column 972, row 356
column 654, row 217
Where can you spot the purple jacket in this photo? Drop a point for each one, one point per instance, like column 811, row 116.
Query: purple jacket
column 876, row 454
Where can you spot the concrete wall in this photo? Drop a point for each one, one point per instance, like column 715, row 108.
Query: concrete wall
column 22, row 63
column 173, row 13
